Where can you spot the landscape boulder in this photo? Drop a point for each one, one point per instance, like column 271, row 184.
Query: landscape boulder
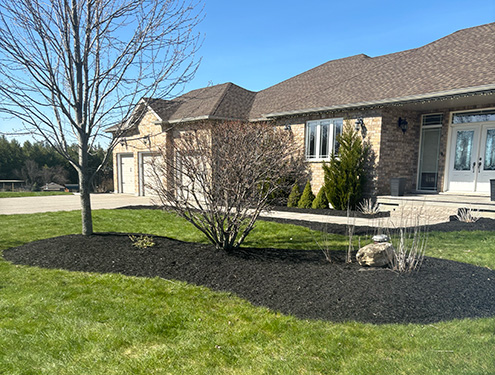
column 378, row 254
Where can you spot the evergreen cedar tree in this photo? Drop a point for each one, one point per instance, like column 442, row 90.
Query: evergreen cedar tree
column 307, row 197
column 345, row 173
column 294, row 196
column 321, row 200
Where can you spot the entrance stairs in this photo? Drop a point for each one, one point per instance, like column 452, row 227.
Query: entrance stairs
column 436, row 207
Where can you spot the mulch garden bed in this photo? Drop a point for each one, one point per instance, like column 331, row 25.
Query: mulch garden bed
column 297, row 282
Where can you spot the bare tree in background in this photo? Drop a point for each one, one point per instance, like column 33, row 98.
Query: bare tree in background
column 71, row 68
column 225, row 174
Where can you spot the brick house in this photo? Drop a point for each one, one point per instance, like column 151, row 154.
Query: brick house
column 428, row 114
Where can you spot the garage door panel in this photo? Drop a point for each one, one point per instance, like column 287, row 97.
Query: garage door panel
column 152, row 173
column 127, row 174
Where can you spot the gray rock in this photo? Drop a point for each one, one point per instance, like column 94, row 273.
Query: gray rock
column 376, row 254
column 381, row 238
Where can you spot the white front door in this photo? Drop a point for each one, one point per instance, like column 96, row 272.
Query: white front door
column 472, row 158
column 486, row 159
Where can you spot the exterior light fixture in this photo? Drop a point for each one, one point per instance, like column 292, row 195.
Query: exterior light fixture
column 146, row 140
column 359, row 124
column 123, row 142
column 402, row 124
column 287, row 127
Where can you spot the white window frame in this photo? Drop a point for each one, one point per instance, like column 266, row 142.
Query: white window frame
column 423, row 126
column 332, row 122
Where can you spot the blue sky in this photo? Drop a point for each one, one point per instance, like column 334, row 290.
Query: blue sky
column 256, row 44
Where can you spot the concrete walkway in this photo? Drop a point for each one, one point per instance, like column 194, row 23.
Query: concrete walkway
column 30, row 205
column 52, row 203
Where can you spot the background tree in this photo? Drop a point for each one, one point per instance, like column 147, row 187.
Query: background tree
column 71, row 68
column 225, row 175
column 345, row 173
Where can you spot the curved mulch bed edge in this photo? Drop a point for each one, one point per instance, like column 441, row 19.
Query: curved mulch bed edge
column 295, row 282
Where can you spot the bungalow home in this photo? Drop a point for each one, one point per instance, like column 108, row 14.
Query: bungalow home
column 428, row 114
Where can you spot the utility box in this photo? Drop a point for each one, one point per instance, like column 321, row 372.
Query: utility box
column 397, row 186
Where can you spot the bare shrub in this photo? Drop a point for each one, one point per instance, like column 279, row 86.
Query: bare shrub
column 409, row 239
column 467, row 215
column 323, row 244
column 224, row 175
column 351, row 227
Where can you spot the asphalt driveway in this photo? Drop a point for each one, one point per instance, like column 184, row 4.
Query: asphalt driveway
column 31, row 205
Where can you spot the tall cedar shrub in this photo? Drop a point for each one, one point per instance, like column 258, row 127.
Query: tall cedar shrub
column 345, row 173
column 307, row 197
column 294, row 196
column 321, row 200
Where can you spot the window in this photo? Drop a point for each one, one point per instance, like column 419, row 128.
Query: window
column 473, row 116
column 321, row 138
column 432, row 120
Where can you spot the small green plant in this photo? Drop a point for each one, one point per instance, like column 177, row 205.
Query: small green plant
column 142, row 241
column 294, row 196
column 321, row 200
column 307, row 197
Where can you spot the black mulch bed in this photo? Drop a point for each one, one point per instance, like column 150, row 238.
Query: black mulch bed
column 454, row 225
column 300, row 283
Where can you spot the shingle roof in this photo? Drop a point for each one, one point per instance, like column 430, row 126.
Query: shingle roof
column 225, row 101
column 459, row 62
column 463, row 59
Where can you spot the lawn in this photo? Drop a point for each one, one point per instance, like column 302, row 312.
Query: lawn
column 60, row 322
column 16, row 194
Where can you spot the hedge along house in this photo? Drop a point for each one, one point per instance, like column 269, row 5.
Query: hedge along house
column 428, row 114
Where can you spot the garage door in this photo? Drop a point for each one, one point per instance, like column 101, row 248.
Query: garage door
column 149, row 177
column 127, row 174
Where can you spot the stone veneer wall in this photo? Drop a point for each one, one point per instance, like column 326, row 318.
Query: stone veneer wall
column 398, row 151
column 135, row 144
column 372, row 135
column 393, row 153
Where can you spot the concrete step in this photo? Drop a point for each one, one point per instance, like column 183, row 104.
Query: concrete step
column 439, row 206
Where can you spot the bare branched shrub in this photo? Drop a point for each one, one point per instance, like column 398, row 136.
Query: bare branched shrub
column 369, row 207
column 224, row 175
column 409, row 239
column 467, row 215
column 351, row 227
column 323, row 244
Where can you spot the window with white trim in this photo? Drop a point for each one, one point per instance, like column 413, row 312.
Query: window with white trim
column 321, row 138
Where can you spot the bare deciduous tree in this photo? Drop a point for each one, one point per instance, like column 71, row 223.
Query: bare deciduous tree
column 71, row 68
column 225, row 174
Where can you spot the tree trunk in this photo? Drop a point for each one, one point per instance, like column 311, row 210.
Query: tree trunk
column 87, row 220
column 84, row 188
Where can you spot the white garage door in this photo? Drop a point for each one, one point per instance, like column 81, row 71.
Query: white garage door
column 127, row 174
column 151, row 170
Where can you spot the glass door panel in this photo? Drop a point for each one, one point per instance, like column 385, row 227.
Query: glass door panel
column 428, row 163
column 486, row 161
column 464, row 153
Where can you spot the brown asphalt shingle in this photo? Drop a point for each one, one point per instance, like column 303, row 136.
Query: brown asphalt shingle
column 461, row 60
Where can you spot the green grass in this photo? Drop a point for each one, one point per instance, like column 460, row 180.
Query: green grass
column 17, row 194
column 60, row 322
